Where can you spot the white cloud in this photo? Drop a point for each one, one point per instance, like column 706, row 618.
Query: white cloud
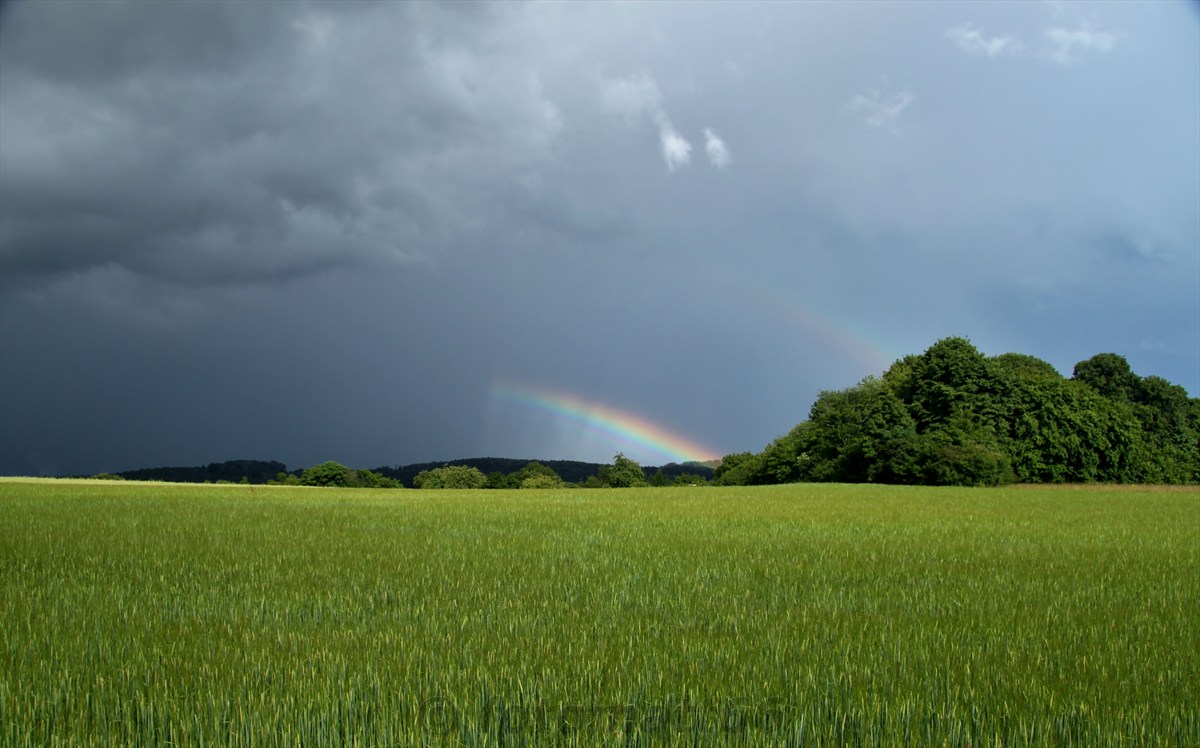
column 1069, row 45
column 881, row 109
column 972, row 40
column 676, row 150
column 718, row 152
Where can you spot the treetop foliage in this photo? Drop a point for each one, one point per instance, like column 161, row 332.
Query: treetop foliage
column 953, row 416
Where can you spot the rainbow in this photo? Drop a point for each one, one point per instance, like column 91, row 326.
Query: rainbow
column 841, row 334
column 855, row 346
column 637, row 434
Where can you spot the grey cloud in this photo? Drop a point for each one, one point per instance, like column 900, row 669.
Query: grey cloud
column 82, row 44
column 292, row 159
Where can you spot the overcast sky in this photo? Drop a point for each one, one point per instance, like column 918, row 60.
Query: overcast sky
column 345, row 231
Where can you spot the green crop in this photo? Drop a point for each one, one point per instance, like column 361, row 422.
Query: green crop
column 155, row 614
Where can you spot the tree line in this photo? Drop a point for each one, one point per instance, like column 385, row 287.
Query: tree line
column 952, row 416
column 622, row 473
column 496, row 472
column 495, row 469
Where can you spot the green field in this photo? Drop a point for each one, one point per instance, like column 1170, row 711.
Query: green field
column 154, row 614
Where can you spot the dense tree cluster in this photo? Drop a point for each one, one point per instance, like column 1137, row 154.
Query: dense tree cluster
column 533, row 475
column 953, row 416
column 451, row 476
column 337, row 475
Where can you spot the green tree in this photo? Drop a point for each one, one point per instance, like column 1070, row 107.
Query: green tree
column 624, row 473
column 734, row 469
column 963, row 462
column 285, row 479
column 1060, row 430
column 533, row 470
column 688, row 479
column 950, row 379
column 450, row 476
column 785, row 460
column 1030, row 367
column 326, row 474
column 1170, row 425
column 889, row 446
column 863, row 433
column 927, row 420
column 1108, row 374
column 369, row 479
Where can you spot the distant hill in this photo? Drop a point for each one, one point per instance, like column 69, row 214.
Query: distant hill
column 254, row 471
column 259, row 471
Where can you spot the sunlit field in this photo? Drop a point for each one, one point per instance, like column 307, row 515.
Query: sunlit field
column 155, row 614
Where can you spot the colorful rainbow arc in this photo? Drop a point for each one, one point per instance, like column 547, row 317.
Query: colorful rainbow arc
column 620, row 425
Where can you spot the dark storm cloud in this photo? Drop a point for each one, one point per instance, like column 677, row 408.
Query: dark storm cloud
column 308, row 231
column 203, row 143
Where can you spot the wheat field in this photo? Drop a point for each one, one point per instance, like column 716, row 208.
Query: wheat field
column 158, row 614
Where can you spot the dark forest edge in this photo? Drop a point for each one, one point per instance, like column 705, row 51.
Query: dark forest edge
column 950, row 416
